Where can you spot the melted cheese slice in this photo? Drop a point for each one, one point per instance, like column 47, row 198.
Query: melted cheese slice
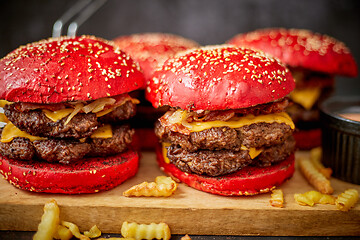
column 306, row 97
column 164, row 151
column 240, row 121
column 253, row 152
column 103, row 132
column 57, row 115
column 10, row 132
column 4, row 102
column 3, row 118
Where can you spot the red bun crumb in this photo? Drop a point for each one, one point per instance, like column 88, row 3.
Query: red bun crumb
column 219, row 77
column 301, row 48
column 90, row 175
column 151, row 49
column 247, row 181
column 67, row 69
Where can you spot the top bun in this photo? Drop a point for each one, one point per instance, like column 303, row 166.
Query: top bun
column 301, row 48
column 151, row 49
column 67, row 69
column 219, row 78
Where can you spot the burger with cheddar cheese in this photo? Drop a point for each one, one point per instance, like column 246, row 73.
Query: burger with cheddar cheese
column 227, row 131
column 150, row 50
column 313, row 59
column 66, row 104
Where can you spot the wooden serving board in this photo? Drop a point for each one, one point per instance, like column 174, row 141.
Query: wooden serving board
column 188, row 211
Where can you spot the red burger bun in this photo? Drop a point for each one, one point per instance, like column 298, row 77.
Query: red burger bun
column 247, row 181
column 302, row 48
column 67, row 69
column 89, row 175
column 152, row 49
column 198, row 85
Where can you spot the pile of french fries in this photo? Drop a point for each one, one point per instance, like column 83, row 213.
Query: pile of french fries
column 51, row 227
column 319, row 177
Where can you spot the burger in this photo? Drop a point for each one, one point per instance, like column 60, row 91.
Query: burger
column 153, row 49
column 226, row 131
column 313, row 59
column 66, row 106
column 150, row 50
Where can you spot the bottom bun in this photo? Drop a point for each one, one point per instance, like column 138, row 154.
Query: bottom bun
column 89, row 175
column 307, row 139
column 247, row 181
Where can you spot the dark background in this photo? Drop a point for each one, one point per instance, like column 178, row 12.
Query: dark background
column 205, row 21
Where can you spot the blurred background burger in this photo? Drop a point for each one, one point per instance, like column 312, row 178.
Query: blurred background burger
column 204, row 21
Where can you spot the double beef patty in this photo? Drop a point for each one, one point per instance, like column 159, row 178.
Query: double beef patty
column 63, row 142
column 217, row 151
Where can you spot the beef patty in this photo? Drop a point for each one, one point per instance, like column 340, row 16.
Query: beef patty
column 254, row 135
column 215, row 163
column 81, row 125
column 69, row 150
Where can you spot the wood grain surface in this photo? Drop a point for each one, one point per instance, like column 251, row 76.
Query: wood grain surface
column 188, row 211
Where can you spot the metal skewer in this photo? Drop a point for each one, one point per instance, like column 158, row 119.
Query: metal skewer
column 82, row 10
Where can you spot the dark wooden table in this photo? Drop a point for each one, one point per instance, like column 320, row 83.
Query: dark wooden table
column 16, row 235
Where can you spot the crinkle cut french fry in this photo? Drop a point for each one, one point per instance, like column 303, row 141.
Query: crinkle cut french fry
column 93, row 232
column 74, row 230
column 186, row 237
column 315, row 157
column 303, row 200
column 146, row 231
column 316, row 154
column 49, row 221
column 347, row 199
column 63, row 233
column 311, row 198
column 162, row 187
column 277, row 198
column 314, row 177
column 116, row 238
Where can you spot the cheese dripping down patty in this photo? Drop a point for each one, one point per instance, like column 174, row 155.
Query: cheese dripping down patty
column 180, row 116
column 10, row 131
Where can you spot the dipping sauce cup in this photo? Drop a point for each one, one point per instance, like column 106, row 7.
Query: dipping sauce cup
column 340, row 120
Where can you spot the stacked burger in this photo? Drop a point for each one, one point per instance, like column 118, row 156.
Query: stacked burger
column 66, row 104
column 150, row 50
column 227, row 131
column 153, row 49
column 313, row 59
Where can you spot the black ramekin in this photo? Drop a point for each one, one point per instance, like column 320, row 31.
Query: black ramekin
column 341, row 138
